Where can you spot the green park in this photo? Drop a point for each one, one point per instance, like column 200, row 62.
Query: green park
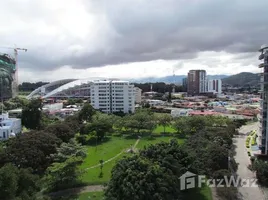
column 92, row 155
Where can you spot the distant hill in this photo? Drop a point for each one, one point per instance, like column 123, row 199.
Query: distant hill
column 242, row 79
column 171, row 79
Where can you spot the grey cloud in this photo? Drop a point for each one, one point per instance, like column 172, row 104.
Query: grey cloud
column 151, row 30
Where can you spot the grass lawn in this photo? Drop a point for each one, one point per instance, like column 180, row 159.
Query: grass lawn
column 91, row 196
column 108, row 150
column 160, row 129
column 103, row 152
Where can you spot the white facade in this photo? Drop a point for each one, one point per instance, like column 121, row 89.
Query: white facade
column 180, row 112
column 215, row 86
column 155, row 102
column 9, row 127
column 112, row 96
column 138, row 92
column 53, row 107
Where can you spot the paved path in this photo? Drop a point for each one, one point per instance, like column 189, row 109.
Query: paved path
column 109, row 160
column 89, row 188
column 241, row 157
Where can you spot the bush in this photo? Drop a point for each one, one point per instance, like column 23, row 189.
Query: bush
column 249, row 154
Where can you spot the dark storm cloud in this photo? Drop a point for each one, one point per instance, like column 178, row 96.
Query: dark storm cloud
column 161, row 29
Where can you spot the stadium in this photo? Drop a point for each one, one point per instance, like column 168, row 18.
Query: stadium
column 66, row 88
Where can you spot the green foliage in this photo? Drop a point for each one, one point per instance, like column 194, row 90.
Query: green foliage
column 211, row 146
column 164, row 120
column 64, row 172
column 32, row 114
column 73, row 123
column 261, row 169
column 32, row 149
column 242, row 79
column 153, row 174
column 69, row 149
column 15, row 103
column 142, row 119
column 100, row 125
column 86, row 113
column 62, row 131
column 19, row 184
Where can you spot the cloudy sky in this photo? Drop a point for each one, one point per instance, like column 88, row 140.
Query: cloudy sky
column 132, row 38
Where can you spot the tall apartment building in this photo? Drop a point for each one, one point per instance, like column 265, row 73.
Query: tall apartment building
column 112, row 96
column 215, row 86
column 263, row 133
column 196, row 82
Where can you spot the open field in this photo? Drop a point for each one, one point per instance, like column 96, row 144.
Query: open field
column 160, row 129
column 103, row 152
column 108, row 150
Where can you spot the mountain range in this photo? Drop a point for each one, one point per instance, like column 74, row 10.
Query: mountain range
column 177, row 79
column 237, row 80
column 242, row 79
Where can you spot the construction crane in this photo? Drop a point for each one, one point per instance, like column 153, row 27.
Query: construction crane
column 16, row 79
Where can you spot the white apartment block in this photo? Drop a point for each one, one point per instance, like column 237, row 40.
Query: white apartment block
column 9, row 127
column 137, row 92
column 215, row 86
column 112, row 96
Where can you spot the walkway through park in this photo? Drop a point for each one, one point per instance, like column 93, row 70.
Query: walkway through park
column 109, row 160
column 90, row 188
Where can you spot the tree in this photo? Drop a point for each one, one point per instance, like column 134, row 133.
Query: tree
column 86, row 113
column 152, row 175
column 120, row 123
column 62, row 131
column 8, row 182
column 142, row 119
column 18, row 183
column 69, row 149
column 32, row 149
column 164, row 120
column 100, row 125
column 261, row 169
column 181, row 126
column 64, row 172
column 32, row 114
column 73, row 123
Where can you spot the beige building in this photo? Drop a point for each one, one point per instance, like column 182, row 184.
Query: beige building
column 137, row 92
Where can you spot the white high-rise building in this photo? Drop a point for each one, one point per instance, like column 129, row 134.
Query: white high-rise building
column 215, row 86
column 111, row 96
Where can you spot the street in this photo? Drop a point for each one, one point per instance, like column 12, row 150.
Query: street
column 241, row 157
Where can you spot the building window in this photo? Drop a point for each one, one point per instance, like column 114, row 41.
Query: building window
column 4, row 134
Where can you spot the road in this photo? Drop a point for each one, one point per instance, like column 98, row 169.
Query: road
column 241, row 157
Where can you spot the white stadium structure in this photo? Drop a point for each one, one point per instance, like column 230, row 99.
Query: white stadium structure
column 108, row 95
column 66, row 88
